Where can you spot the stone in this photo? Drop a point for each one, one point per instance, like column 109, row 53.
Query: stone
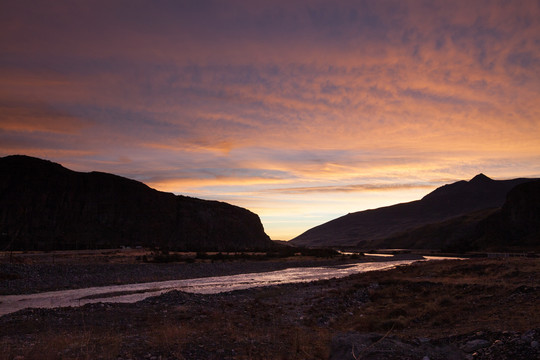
column 528, row 336
column 534, row 344
column 473, row 345
column 371, row 346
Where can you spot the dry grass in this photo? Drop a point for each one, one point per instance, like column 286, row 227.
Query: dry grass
column 170, row 338
column 64, row 345
column 442, row 299
column 433, row 300
column 249, row 334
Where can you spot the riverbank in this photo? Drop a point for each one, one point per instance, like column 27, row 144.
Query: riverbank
column 81, row 272
column 473, row 309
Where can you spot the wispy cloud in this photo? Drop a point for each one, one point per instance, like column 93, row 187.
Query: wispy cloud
column 293, row 99
column 352, row 188
column 22, row 116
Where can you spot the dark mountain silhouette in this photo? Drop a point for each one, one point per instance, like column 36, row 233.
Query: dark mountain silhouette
column 514, row 227
column 372, row 226
column 452, row 235
column 46, row 206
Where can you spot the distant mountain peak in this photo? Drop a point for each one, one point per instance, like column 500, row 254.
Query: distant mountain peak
column 480, row 178
column 446, row 202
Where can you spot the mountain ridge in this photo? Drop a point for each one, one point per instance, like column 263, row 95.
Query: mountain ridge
column 448, row 201
column 46, row 206
column 513, row 227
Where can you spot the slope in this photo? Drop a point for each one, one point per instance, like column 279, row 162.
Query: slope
column 446, row 202
column 46, row 206
column 514, row 227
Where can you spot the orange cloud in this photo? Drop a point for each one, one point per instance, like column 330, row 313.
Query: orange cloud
column 189, row 184
column 352, row 188
column 37, row 117
column 276, row 98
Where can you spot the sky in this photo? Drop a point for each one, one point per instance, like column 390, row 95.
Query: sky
column 300, row 111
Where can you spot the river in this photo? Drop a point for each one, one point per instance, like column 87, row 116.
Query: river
column 130, row 293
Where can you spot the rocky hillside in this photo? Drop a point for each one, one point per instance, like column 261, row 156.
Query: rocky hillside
column 46, row 206
column 447, row 202
column 514, row 227
column 517, row 224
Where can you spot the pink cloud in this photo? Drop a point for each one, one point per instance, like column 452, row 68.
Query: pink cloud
column 303, row 94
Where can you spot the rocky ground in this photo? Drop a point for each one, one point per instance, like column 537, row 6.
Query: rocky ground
column 474, row 309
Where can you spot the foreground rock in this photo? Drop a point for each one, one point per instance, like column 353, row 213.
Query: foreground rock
column 352, row 346
column 477, row 345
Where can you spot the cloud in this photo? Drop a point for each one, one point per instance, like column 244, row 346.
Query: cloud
column 197, row 184
column 351, row 188
column 237, row 98
column 25, row 116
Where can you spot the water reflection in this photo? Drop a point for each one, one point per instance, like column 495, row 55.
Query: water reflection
column 211, row 285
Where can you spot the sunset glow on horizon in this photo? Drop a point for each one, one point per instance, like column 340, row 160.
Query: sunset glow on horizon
column 301, row 111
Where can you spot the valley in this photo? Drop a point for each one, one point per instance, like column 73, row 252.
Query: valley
column 459, row 309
